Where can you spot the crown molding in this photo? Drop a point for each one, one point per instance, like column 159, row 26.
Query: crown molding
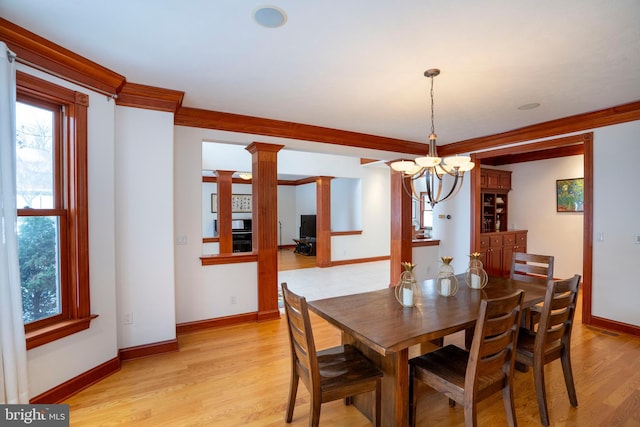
column 149, row 97
column 577, row 123
column 38, row 52
column 194, row 117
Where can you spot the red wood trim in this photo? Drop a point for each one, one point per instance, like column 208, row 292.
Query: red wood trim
column 323, row 221
column 346, row 233
column 194, row 117
column 67, row 389
column 43, row 89
column 613, row 325
column 219, row 322
column 401, row 228
column 233, row 258
column 359, row 260
column 367, row 161
column 56, row 331
column 61, row 62
column 580, row 122
column 552, row 153
column 214, row 179
column 210, row 239
column 264, row 168
column 271, row 314
column 145, row 350
column 425, row 242
column 149, row 97
column 475, row 184
column 587, row 238
column 225, row 191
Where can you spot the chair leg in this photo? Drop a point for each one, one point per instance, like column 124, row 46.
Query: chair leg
column 470, row 415
column 379, row 402
column 293, row 391
column 565, row 358
column 314, row 411
column 541, row 392
column 509, row 405
column 413, row 399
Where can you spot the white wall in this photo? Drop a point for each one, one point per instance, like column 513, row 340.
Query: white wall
column 375, row 239
column 206, row 292
column 532, row 207
column 287, row 223
column 454, row 232
column 346, row 208
column 615, row 290
column 616, row 259
column 144, row 226
column 54, row 363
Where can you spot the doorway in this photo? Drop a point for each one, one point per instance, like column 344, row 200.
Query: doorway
column 560, row 147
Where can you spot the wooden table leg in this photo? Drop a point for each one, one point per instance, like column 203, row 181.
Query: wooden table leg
column 395, row 385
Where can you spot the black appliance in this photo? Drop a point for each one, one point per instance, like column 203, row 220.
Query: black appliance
column 307, row 226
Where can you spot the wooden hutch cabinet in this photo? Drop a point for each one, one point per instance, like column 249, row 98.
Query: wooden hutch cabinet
column 497, row 250
column 497, row 243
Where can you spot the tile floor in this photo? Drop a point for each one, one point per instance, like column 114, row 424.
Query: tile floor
column 317, row 283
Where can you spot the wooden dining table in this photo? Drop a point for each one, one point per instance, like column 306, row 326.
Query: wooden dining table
column 384, row 331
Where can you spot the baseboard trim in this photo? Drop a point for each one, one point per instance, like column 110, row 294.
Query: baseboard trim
column 218, row 322
column 360, row 260
column 67, row 389
column 612, row 325
column 146, row 350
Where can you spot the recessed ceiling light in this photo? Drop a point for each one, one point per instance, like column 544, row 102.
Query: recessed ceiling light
column 270, row 16
column 529, row 106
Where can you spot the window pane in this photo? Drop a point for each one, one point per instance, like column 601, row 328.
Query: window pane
column 38, row 249
column 34, row 157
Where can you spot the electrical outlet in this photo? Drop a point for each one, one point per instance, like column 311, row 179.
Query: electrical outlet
column 637, row 239
column 233, row 299
column 128, row 318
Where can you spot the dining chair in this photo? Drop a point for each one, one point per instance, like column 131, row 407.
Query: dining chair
column 552, row 340
column 532, row 268
column 468, row 377
column 336, row 373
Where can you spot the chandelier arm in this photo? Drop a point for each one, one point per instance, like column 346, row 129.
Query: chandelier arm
column 455, row 188
column 410, row 193
column 439, row 181
column 432, row 175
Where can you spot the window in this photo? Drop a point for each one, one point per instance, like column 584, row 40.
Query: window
column 51, row 181
column 426, row 214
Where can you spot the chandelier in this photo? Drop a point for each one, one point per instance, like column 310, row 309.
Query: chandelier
column 432, row 168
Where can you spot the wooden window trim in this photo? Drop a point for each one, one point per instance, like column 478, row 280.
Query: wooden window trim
column 74, row 201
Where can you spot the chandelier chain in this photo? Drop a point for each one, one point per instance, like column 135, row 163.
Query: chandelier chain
column 433, row 131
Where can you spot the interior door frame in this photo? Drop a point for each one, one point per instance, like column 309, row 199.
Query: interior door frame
column 552, row 148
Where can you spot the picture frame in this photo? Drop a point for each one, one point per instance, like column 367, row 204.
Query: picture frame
column 570, row 195
column 241, row 203
column 214, row 202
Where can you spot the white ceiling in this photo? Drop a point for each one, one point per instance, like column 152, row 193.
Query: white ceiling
column 358, row 65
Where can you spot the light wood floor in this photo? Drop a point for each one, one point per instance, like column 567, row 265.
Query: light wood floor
column 239, row 376
column 287, row 260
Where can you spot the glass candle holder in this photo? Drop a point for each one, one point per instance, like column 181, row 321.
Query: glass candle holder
column 476, row 276
column 446, row 282
column 407, row 289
